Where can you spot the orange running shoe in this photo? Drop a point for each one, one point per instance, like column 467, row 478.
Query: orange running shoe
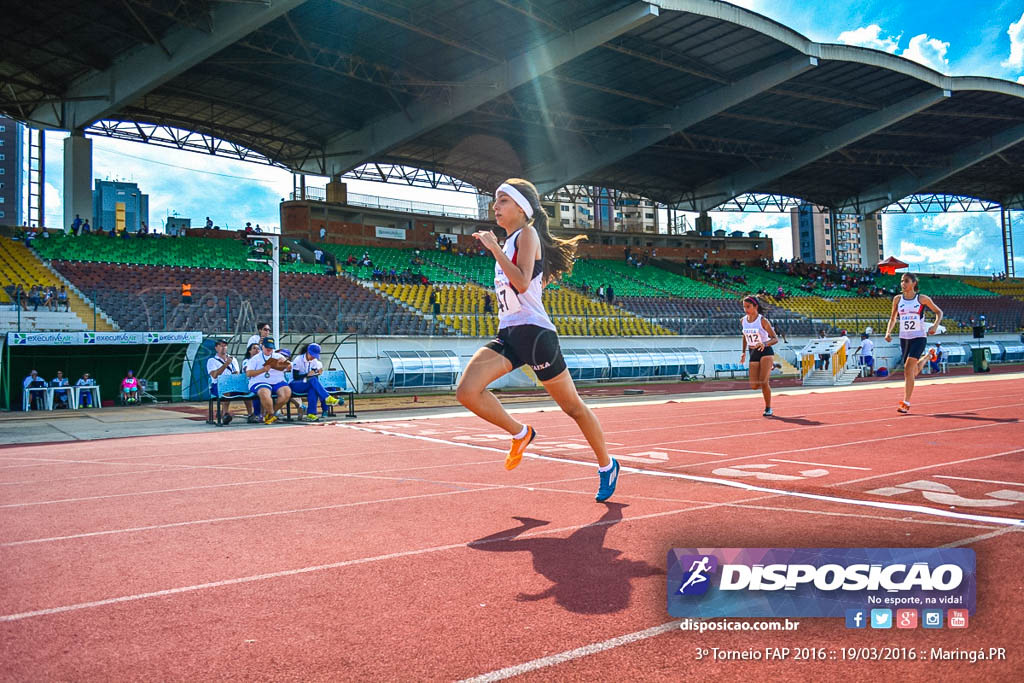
column 515, row 453
column 904, row 407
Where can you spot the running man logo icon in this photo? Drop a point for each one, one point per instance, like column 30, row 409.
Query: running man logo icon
column 696, row 580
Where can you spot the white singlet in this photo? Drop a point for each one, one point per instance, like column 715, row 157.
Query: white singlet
column 526, row 308
column 754, row 332
column 910, row 314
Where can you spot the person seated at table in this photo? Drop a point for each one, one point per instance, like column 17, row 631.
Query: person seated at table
column 60, row 397
column 306, row 369
column 266, row 371
column 85, row 397
column 35, row 398
column 130, row 388
column 221, row 364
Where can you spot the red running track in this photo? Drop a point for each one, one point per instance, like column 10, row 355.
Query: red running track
column 402, row 550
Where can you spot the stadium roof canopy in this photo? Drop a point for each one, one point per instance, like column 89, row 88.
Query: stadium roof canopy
column 688, row 102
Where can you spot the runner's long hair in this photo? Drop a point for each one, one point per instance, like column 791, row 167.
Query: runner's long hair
column 558, row 254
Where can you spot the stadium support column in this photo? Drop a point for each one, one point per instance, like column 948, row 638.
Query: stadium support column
column 704, row 223
column 833, row 233
column 78, row 179
column 1007, row 243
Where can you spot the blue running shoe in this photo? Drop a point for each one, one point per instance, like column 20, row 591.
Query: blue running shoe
column 608, row 481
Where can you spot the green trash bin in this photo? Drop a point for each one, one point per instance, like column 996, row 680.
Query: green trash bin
column 981, row 355
column 176, row 389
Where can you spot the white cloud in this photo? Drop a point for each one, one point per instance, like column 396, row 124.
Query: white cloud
column 955, row 224
column 928, row 51
column 1020, row 79
column 972, row 253
column 1016, row 33
column 774, row 225
column 870, row 36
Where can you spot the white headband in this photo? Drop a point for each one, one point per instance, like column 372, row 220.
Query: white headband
column 517, row 197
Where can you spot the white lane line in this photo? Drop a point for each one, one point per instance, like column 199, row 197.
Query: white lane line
column 569, row 655
column 334, row 565
column 928, row 467
column 983, row 481
column 801, row 462
column 685, row 450
column 885, row 505
column 1008, row 377
column 145, row 493
column 911, row 435
column 980, row 537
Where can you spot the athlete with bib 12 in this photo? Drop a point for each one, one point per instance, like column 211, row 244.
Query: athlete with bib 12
column 529, row 260
column 908, row 310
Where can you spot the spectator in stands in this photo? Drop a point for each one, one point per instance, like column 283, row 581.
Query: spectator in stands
column 86, row 228
column 209, row 223
column 866, row 350
column 600, row 292
column 45, row 234
column 76, row 225
column 186, row 292
column 610, row 293
column 258, row 230
column 130, row 388
column 112, row 233
column 936, row 360
column 125, row 235
column 85, row 397
column 323, row 233
column 262, row 332
column 35, row 297
column 60, row 397
column 318, row 255
column 307, row 369
column 35, row 398
column 62, row 298
column 435, row 305
column 266, row 377
column 143, row 229
column 488, row 304
column 223, row 364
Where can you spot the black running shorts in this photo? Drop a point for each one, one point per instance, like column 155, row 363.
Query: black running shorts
column 913, row 348
column 530, row 345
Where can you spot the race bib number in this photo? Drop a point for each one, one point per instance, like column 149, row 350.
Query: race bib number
column 508, row 301
column 752, row 337
column 911, row 322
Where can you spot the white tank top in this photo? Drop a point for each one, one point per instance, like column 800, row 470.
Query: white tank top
column 754, row 332
column 911, row 318
column 520, row 308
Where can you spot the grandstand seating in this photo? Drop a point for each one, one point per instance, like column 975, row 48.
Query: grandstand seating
column 18, row 265
column 1011, row 287
column 461, row 307
column 188, row 252
column 935, row 286
column 1002, row 313
column 146, row 298
column 387, row 258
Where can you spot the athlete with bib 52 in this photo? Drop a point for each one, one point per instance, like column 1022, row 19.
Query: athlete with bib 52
column 530, row 258
column 909, row 307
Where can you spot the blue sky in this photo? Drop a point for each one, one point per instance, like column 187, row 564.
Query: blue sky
column 958, row 37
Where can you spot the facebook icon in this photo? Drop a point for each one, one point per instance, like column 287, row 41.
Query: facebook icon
column 856, row 618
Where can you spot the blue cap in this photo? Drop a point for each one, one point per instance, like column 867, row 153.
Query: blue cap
column 268, row 342
column 313, row 350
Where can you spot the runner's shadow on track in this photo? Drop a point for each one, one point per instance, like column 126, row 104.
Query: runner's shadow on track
column 796, row 420
column 587, row 577
column 976, row 418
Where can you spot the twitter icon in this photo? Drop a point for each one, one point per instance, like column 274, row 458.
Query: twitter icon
column 881, row 618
